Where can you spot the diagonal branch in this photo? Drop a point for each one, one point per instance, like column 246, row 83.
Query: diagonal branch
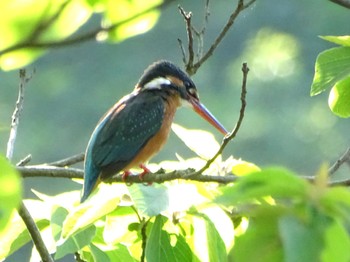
column 234, row 132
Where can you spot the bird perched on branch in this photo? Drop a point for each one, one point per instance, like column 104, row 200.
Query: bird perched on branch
column 138, row 125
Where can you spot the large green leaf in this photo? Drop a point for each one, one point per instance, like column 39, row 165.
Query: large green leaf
column 332, row 65
column 275, row 182
column 343, row 40
column 160, row 248
column 10, row 193
column 261, row 242
column 303, row 240
column 119, row 253
column 339, row 98
column 150, row 200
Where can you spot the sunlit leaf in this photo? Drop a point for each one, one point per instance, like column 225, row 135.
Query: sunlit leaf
column 332, row 65
column 36, row 22
column 275, row 182
column 117, row 11
column 16, row 234
column 343, row 40
column 118, row 253
column 208, row 244
column 201, row 142
column 103, row 202
column 222, row 223
column 117, row 224
column 10, row 193
column 339, row 98
column 160, row 248
column 150, row 200
column 241, row 167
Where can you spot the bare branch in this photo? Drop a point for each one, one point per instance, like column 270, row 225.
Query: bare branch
column 35, row 234
column 187, row 17
column 68, row 161
column 343, row 3
column 25, row 160
column 17, row 113
column 191, row 67
column 345, row 158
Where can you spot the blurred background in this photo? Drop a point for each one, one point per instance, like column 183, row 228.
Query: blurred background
column 74, row 86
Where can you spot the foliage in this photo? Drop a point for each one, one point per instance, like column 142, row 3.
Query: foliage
column 273, row 210
column 269, row 214
column 332, row 70
column 28, row 28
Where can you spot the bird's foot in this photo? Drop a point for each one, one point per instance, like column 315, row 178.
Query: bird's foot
column 125, row 176
column 145, row 172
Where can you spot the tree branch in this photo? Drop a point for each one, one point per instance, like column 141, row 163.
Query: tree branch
column 17, row 113
column 345, row 158
column 35, row 234
column 68, row 161
column 234, row 132
column 29, row 43
column 22, row 210
column 191, row 67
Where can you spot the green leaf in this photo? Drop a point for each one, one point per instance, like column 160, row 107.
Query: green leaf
column 339, row 98
column 343, row 40
column 337, row 243
column 117, row 224
column 118, row 253
column 262, row 234
column 10, row 193
column 160, row 248
column 103, row 202
column 36, row 22
column 303, row 240
column 332, row 65
column 75, row 242
column 208, row 244
column 150, row 200
column 201, row 142
column 241, row 167
column 274, row 182
column 117, row 11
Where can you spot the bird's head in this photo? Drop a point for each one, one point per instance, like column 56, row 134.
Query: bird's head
column 166, row 77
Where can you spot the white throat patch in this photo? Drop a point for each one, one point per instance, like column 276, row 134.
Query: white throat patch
column 157, row 83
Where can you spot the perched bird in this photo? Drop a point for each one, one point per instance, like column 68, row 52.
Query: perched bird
column 138, row 125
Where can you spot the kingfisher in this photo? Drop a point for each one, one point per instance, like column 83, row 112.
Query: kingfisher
column 138, row 125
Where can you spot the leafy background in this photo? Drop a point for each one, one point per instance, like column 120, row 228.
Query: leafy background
column 73, row 86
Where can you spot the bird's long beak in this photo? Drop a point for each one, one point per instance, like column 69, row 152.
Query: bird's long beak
column 201, row 110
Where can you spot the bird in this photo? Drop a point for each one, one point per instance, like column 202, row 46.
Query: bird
column 138, row 125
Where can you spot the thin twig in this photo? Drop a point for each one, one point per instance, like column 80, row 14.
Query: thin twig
column 234, row 132
column 25, row 160
column 17, row 113
column 187, row 17
column 345, row 158
column 35, row 234
column 68, row 161
column 191, row 67
column 144, row 238
column 343, row 3
column 28, row 43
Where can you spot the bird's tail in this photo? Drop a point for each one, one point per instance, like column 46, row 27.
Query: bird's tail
column 91, row 181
